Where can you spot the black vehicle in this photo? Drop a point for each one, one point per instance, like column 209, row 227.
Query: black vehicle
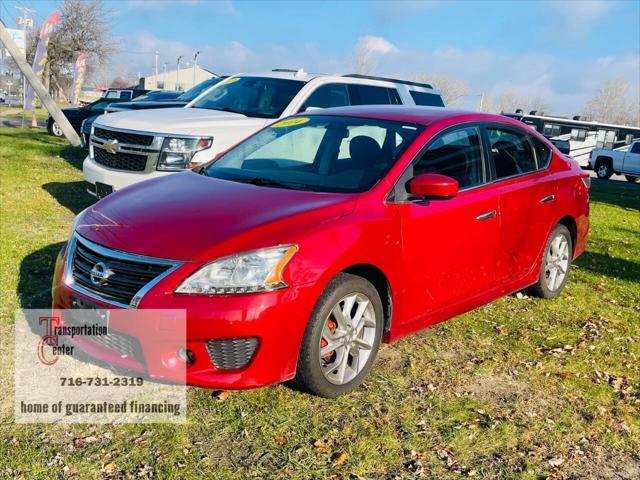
column 178, row 101
column 76, row 115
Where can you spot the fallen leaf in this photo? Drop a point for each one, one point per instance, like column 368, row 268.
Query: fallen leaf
column 281, row 439
column 556, row 461
column 339, row 458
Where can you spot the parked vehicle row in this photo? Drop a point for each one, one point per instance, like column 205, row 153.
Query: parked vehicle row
column 76, row 115
column 577, row 136
column 150, row 101
column 318, row 236
column 127, row 148
column 624, row 161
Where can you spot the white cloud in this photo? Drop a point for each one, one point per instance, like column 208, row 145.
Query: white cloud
column 378, row 45
column 576, row 18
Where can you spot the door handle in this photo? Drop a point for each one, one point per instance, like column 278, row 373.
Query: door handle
column 486, row 215
column 548, row 198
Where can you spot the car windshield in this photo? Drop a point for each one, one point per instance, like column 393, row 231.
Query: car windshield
column 262, row 97
column 196, row 90
column 317, row 153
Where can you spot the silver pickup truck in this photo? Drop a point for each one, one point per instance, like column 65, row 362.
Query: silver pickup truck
column 621, row 161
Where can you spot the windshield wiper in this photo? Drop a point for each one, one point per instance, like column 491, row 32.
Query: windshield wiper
column 267, row 182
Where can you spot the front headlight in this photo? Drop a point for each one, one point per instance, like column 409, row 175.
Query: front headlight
column 177, row 152
column 256, row 271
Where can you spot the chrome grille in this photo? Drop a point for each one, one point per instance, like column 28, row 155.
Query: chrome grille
column 124, row 137
column 120, row 160
column 129, row 274
column 231, row 353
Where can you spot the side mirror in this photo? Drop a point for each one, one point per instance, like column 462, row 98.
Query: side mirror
column 433, row 185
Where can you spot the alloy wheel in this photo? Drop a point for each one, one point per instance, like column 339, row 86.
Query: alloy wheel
column 556, row 262
column 55, row 128
column 348, row 335
column 603, row 171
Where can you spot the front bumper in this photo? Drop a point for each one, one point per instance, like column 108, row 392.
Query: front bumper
column 94, row 172
column 277, row 320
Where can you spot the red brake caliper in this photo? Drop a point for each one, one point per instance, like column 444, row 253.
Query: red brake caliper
column 323, row 343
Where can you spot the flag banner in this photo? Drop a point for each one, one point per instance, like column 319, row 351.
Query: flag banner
column 40, row 58
column 78, row 79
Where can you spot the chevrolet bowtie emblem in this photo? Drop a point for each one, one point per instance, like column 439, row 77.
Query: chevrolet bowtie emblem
column 111, row 146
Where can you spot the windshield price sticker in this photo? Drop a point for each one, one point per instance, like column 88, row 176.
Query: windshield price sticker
column 290, row 122
column 100, row 366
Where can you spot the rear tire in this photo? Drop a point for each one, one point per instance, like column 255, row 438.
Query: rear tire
column 554, row 268
column 342, row 337
column 631, row 178
column 603, row 168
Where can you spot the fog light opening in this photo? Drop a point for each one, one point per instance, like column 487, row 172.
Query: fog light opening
column 186, row 356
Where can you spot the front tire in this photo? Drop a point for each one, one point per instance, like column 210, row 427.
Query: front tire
column 556, row 260
column 342, row 337
column 54, row 129
column 603, row 169
column 631, row 178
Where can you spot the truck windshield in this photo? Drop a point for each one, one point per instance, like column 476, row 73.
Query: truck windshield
column 196, row 90
column 317, row 153
column 261, row 97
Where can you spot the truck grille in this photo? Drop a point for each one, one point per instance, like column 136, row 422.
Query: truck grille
column 124, row 137
column 120, row 160
column 127, row 276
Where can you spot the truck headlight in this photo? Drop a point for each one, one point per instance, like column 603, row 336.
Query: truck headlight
column 176, row 152
column 256, row 271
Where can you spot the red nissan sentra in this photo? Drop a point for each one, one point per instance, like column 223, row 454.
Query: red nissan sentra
column 302, row 248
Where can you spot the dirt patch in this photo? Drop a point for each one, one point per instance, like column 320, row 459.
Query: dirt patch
column 492, row 388
column 604, row 464
column 391, row 359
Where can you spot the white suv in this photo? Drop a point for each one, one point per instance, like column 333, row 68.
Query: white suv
column 129, row 147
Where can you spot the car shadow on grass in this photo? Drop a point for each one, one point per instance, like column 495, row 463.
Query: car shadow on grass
column 71, row 195
column 36, row 273
column 625, row 195
column 606, row 265
column 74, row 156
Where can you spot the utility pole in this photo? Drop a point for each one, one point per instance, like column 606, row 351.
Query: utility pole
column 178, row 74
column 38, row 87
column 157, row 68
column 195, row 65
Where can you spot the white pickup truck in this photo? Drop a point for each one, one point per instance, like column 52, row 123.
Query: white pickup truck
column 624, row 161
column 132, row 146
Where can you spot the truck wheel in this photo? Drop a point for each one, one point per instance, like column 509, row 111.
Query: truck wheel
column 54, row 129
column 603, row 168
column 342, row 337
column 631, row 178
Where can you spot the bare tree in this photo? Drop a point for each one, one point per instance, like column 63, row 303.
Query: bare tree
column 509, row 102
column 452, row 89
column 83, row 28
column 368, row 51
column 612, row 103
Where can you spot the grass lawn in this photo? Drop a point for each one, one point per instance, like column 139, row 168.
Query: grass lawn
column 521, row 388
column 16, row 112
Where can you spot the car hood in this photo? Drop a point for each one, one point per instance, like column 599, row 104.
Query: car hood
column 176, row 120
column 192, row 217
column 147, row 104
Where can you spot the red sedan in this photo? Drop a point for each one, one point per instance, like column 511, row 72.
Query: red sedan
column 302, row 248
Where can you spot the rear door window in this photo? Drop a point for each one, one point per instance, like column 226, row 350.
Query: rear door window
column 426, row 99
column 370, row 95
column 511, row 152
column 327, row 96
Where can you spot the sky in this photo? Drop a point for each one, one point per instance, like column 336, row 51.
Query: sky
column 560, row 51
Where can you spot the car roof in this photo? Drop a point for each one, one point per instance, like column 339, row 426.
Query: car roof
column 412, row 114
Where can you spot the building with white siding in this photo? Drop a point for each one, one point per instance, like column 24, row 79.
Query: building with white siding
column 179, row 80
